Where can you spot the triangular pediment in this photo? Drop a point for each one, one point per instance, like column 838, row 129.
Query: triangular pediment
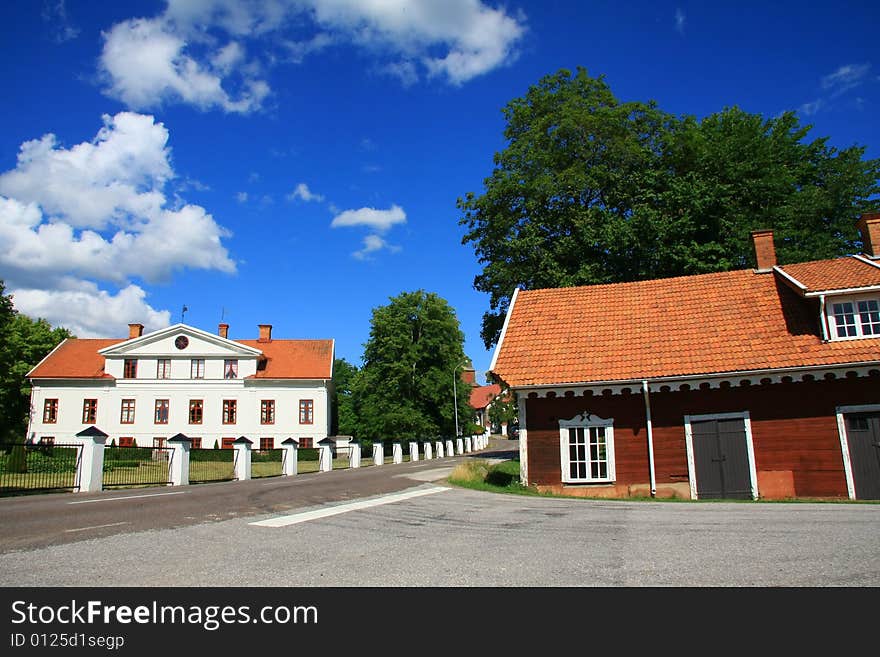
column 180, row 340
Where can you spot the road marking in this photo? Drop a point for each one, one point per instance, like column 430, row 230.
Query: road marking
column 305, row 516
column 82, row 529
column 128, row 497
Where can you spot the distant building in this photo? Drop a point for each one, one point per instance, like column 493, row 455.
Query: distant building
column 180, row 379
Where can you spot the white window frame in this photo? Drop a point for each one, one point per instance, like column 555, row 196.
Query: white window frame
column 689, row 443
column 854, row 300
column 586, row 421
column 163, row 368
column 841, row 411
column 197, row 368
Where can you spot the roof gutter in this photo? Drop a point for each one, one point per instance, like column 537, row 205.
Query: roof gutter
column 646, row 389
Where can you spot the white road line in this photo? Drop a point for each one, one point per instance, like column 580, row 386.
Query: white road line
column 284, row 521
column 128, row 497
column 82, row 529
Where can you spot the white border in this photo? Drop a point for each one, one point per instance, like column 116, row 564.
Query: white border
column 504, row 329
column 844, row 442
column 689, row 442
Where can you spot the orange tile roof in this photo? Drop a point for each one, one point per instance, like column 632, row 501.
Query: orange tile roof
column 838, row 274
column 482, row 395
column 693, row 325
column 78, row 358
column 75, row 358
column 294, row 359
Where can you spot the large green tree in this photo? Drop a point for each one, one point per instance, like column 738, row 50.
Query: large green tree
column 344, row 419
column 23, row 343
column 405, row 387
column 590, row 189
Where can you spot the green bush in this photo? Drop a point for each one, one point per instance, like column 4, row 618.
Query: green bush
column 266, row 456
column 16, row 461
column 307, row 454
column 111, row 465
column 215, row 455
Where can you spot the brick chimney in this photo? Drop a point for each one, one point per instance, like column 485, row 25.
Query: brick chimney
column 265, row 333
column 135, row 330
column 223, row 330
column 469, row 375
column 869, row 228
column 765, row 251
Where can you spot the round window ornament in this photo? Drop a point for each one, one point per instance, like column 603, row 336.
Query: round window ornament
column 181, row 342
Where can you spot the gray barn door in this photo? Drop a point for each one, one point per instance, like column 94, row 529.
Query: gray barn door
column 863, row 436
column 721, row 459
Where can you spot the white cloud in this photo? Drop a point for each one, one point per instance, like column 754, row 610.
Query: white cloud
column 195, row 52
column 679, row 21
column 378, row 220
column 102, row 314
column 55, row 13
column 92, row 212
column 302, row 191
column 372, row 244
column 845, row 78
column 146, row 63
column 241, row 197
column 808, row 109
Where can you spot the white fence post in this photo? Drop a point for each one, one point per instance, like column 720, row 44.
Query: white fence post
column 180, row 459
column 397, row 452
column 459, row 446
column 438, row 445
column 291, row 447
column 428, row 451
column 91, row 465
column 413, row 450
column 449, row 449
column 467, row 444
column 354, row 453
column 378, row 453
column 242, row 448
column 325, row 455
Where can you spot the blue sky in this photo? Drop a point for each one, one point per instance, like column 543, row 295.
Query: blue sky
column 297, row 162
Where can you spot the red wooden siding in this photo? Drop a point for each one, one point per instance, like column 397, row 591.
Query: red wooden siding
column 794, row 430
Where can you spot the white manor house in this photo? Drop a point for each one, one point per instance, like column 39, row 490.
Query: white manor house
column 150, row 387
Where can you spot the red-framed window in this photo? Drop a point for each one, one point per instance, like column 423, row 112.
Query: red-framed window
column 47, row 440
column 126, row 413
column 230, row 369
column 161, row 414
column 50, row 411
column 196, row 411
column 90, row 411
column 227, row 443
column 229, row 409
column 306, row 443
column 126, row 441
column 196, row 443
column 163, row 368
column 267, row 411
column 267, row 443
column 130, row 368
column 306, row 411
column 158, row 442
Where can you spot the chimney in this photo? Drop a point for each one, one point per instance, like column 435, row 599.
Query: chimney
column 223, row 330
column 869, row 228
column 469, row 376
column 135, row 330
column 265, row 333
column 765, row 251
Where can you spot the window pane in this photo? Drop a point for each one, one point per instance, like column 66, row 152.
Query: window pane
column 869, row 316
column 844, row 319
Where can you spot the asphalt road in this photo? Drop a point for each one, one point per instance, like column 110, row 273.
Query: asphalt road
column 357, row 534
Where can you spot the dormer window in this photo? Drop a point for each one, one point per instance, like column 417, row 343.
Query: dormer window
column 854, row 318
column 230, row 369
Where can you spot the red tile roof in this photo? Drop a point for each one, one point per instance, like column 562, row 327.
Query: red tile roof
column 694, row 325
column 78, row 358
column 838, row 274
column 481, row 396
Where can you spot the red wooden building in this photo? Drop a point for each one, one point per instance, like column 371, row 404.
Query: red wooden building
column 759, row 383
